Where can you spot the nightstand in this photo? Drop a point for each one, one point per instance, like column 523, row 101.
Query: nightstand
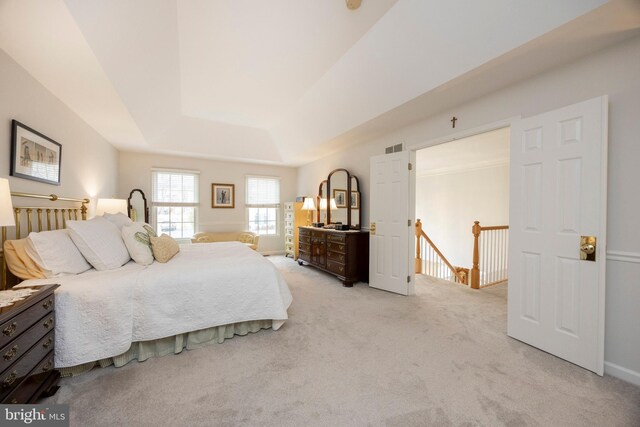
column 27, row 344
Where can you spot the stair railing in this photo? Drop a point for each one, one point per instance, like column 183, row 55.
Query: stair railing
column 490, row 250
column 430, row 260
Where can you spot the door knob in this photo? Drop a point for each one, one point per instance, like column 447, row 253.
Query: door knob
column 588, row 247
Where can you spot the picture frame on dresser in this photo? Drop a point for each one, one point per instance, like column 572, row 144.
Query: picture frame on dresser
column 34, row 156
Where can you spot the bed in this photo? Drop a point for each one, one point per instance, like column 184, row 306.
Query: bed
column 206, row 293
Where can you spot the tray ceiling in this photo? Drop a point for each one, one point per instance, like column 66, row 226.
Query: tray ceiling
column 285, row 81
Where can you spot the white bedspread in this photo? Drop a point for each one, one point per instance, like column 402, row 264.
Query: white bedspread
column 100, row 313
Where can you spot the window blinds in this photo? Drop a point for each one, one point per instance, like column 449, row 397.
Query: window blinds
column 174, row 187
column 263, row 191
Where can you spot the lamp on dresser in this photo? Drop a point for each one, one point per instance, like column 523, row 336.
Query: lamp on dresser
column 6, row 220
column 323, row 207
column 308, row 206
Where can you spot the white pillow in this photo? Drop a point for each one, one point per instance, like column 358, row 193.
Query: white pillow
column 137, row 240
column 118, row 219
column 55, row 253
column 100, row 242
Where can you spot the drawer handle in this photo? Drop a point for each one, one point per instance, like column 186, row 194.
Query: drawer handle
column 9, row 330
column 47, row 305
column 48, row 343
column 48, row 323
column 47, row 366
column 11, row 353
column 10, row 379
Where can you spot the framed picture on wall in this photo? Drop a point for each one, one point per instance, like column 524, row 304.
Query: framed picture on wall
column 223, row 195
column 34, row 156
column 340, row 196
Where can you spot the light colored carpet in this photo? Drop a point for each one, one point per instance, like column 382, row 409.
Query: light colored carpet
column 357, row 357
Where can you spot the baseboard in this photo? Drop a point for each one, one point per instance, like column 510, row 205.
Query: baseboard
column 623, row 373
column 267, row 253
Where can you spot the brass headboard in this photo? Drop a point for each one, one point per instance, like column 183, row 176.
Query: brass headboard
column 46, row 218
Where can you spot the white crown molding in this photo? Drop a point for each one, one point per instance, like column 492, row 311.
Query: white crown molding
column 464, row 168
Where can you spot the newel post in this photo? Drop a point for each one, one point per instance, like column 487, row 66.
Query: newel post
column 475, row 271
column 418, row 262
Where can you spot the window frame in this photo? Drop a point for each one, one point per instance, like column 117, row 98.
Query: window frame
column 157, row 204
column 275, row 206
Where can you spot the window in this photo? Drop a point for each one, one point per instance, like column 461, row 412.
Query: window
column 174, row 202
column 263, row 204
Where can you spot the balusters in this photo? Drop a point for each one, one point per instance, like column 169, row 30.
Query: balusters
column 55, row 216
column 17, row 219
column 39, row 219
column 49, row 219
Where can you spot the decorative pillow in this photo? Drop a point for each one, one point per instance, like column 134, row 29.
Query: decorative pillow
column 55, row 253
column 119, row 219
column 19, row 262
column 137, row 240
column 164, row 247
column 100, row 242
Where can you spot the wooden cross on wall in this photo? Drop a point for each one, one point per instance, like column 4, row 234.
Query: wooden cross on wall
column 453, row 121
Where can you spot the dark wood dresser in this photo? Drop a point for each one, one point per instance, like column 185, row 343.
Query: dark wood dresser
column 345, row 254
column 27, row 347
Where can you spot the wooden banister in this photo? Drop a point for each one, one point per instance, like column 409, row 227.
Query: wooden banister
column 476, row 229
column 475, row 270
column 459, row 273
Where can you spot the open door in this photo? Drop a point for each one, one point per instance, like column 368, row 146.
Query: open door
column 391, row 224
column 557, row 222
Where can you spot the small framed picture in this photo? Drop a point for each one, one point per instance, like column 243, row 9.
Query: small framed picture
column 340, row 196
column 355, row 200
column 34, row 156
column 223, row 196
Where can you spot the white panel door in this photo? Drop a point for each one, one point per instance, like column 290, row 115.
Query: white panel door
column 558, row 193
column 390, row 257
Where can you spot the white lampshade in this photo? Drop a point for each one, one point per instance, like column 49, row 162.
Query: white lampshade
column 6, row 207
column 309, row 204
column 111, row 206
column 323, row 204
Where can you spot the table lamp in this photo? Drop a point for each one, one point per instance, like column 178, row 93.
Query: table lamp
column 111, row 206
column 323, row 206
column 308, row 206
column 6, row 207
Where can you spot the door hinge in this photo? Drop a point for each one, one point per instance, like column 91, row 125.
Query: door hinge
column 410, row 166
column 409, row 222
column 408, row 279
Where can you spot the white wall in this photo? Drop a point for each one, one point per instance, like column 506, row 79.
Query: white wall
column 89, row 163
column 135, row 172
column 614, row 71
column 448, row 203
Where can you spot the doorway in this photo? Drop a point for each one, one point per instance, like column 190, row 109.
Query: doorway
column 462, row 210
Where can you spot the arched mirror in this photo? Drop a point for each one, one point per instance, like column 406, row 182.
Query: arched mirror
column 321, row 203
column 338, row 183
column 354, row 203
column 137, row 206
column 344, row 199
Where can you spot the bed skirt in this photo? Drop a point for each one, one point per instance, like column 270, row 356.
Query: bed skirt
column 142, row 350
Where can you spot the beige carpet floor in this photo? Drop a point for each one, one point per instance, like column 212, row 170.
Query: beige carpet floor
column 356, row 357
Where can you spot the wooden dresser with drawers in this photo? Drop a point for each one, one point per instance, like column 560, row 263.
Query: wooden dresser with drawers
column 345, row 254
column 27, row 348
